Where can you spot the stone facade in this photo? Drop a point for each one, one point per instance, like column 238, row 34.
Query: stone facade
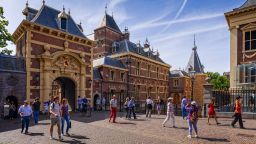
column 53, row 52
column 242, row 26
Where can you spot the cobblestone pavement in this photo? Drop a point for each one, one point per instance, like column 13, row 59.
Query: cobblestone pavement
column 97, row 130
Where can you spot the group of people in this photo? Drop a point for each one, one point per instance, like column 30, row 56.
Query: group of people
column 129, row 106
column 100, row 103
column 59, row 114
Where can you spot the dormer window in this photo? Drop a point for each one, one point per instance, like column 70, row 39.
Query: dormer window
column 63, row 23
column 63, row 20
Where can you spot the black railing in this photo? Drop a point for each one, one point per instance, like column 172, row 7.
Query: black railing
column 225, row 99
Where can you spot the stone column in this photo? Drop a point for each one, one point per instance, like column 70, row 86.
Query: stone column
column 46, row 88
column 233, row 55
column 82, row 85
column 208, row 88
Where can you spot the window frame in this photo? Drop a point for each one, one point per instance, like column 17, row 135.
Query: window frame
column 250, row 40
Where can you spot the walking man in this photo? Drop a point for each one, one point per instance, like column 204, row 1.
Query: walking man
column 113, row 108
column 238, row 114
column 131, row 106
column 184, row 102
column 170, row 113
column 36, row 108
column 55, row 116
column 149, row 106
column 79, row 103
column 25, row 112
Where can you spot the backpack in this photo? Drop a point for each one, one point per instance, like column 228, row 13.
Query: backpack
column 194, row 116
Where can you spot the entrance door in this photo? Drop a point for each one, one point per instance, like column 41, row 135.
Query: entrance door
column 13, row 100
column 65, row 88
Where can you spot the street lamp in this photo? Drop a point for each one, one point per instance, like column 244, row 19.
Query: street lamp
column 192, row 76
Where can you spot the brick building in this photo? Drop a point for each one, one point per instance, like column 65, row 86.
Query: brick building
column 56, row 53
column 242, row 26
column 126, row 68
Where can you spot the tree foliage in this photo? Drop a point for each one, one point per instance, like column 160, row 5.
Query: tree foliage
column 218, row 81
column 4, row 34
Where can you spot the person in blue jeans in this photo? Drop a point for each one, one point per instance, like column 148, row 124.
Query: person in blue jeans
column 65, row 117
column 25, row 112
column 192, row 118
column 184, row 102
column 36, row 108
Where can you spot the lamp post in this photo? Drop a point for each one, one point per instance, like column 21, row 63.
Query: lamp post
column 192, row 76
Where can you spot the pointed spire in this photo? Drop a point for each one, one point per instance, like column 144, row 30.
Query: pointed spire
column 63, row 8
column 27, row 3
column 43, row 2
column 68, row 11
column 106, row 8
column 195, row 47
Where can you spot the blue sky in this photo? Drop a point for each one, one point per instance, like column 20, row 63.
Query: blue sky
column 168, row 24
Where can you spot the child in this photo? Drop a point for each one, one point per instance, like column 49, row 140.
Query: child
column 170, row 113
column 211, row 113
column 192, row 118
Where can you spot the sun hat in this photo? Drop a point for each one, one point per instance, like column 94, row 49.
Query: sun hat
column 193, row 103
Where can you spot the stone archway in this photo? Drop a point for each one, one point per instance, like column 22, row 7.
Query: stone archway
column 66, row 65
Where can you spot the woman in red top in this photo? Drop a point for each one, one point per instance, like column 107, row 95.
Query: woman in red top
column 211, row 112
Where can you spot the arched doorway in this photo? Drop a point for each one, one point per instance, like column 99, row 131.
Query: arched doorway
column 96, row 96
column 65, row 88
column 14, row 100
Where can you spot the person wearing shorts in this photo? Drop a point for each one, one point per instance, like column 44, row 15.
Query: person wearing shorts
column 55, row 111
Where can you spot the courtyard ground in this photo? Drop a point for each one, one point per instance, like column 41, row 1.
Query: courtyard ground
column 97, row 130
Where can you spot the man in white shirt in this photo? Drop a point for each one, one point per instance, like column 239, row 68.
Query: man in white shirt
column 25, row 112
column 55, row 116
column 170, row 112
column 113, row 108
column 149, row 106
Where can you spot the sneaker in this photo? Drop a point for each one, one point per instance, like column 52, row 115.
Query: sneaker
column 163, row 125
column 51, row 138
column 196, row 136
column 189, row 136
column 233, row 125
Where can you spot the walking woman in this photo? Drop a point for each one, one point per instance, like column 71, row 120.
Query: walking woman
column 64, row 116
column 211, row 113
column 170, row 113
column 184, row 102
column 127, row 108
column 192, row 118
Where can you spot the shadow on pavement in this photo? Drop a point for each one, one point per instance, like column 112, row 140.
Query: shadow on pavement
column 184, row 128
column 78, row 136
column 126, row 123
column 214, row 139
column 73, row 141
column 35, row 134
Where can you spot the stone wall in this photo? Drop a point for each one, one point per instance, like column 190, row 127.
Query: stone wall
column 199, row 88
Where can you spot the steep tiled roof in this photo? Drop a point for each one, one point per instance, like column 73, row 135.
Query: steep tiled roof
column 128, row 46
column 194, row 63
column 248, row 3
column 48, row 16
column 109, row 62
column 109, row 21
column 11, row 63
column 178, row 73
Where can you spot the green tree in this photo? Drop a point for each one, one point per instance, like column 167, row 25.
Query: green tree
column 218, row 81
column 4, row 34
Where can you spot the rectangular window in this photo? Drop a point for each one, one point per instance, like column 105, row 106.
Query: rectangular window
column 148, row 70
column 138, row 69
column 250, row 40
column 122, row 77
column 63, row 23
column 176, row 83
column 112, row 75
column 157, row 72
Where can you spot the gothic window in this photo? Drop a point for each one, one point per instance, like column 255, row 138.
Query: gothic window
column 250, row 40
